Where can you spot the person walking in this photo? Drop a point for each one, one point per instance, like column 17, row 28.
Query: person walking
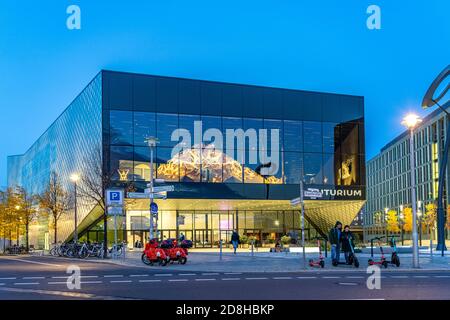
column 235, row 240
column 347, row 242
column 334, row 236
column 182, row 237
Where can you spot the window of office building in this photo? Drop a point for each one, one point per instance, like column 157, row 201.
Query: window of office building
column 121, row 127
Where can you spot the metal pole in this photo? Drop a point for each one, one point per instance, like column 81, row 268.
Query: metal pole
column 115, row 236
column 413, row 201
column 151, row 189
column 75, row 236
column 220, row 243
column 302, row 203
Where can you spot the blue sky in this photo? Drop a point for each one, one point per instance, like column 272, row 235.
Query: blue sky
column 321, row 45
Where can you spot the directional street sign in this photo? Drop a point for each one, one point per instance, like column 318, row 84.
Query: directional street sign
column 115, row 211
column 138, row 195
column 160, row 189
column 295, row 202
column 162, row 195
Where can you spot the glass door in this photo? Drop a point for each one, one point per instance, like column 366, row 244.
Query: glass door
column 202, row 238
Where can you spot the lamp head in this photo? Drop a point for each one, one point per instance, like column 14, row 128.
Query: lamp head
column 411, row 121
column 74, row 177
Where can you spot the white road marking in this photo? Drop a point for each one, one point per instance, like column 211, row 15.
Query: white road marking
column 333, row 277
column 25, row 283
column 230, row 279
column 255, row 278
column 2, row 284
column 149, row 280
column 306, row 277
column 138, row 275
column 35, row 262
column 120, row 281
column 421, row 276
column 210, row 274
column 31, row 278
column 399, row 277
column 233, row 273
column 113, row 276
column 61, row 277
column 88, row 276
column 178, row 280
column 163, row 275
column 348, row 283
column 57, row 282
column 10, row 278
column 87, row 282
column 205, row 279
column 282, row 278
column 187, row 274
column 441, row 276
column 355, row 277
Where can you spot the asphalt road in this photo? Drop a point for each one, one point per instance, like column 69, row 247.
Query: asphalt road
column 41, row 278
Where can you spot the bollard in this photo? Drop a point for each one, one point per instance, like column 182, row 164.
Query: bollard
column 220, row 245
column 253, row 242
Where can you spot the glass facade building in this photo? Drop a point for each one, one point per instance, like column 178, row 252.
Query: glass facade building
column 235, row 154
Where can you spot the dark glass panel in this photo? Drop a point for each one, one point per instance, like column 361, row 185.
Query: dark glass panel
column 312, row 168
column 121, row 127
column 292, row 167
column 312, row 133
column 165, row 125
column 330, row 166
column 349, row 137
column 293, row 135
column 144, row 126
column 330, row 136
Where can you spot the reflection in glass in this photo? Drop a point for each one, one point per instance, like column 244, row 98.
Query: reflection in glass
column 121, row 127
column 312, row 132
column 292, row 167
column 168, row 168
column 144, row 127
column 330, row 136
column 121, row 159
column 165, row 125
column 348, row 172
column 329, row 168
column 312, row 168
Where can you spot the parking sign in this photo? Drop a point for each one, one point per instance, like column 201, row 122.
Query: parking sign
column 114, row 197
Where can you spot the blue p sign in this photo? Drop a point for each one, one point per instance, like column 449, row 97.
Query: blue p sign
column 115, row 196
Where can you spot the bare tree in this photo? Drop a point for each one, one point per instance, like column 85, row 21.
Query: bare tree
column 27, row 211
column 56, row 200
column 93, row 186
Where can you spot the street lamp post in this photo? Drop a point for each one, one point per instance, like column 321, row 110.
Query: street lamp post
column 17, row 229
column 386, row 210
column 74, row 178
column 419, row 222
column 402, row 222
column 411, row 121
column 151, row 142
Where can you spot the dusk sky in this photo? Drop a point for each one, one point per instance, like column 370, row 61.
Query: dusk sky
column 321, row 45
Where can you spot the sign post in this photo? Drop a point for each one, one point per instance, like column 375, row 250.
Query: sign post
column 300, row 201
column 114, row 203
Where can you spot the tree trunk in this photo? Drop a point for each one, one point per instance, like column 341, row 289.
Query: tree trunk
column 56, row 230
column 105, row 236
column 27, row 242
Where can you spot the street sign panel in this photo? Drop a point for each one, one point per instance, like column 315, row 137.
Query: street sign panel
column 114, row 197
column 295, row 202
column 115, row 211
column 160, row 189
column 138, row 195
column 162, row 195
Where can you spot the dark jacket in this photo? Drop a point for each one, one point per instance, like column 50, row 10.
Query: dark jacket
column 347, row 239
column 235, row 236
column 333, row 236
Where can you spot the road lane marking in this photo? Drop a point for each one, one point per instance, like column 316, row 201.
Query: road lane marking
column 10, row 278
column 256, row 278
column 348, row 283
column 421, row 276
column 90, row 282
column 149, row 280
column 205, row 279
column 56, row 282
column 62, row 293
column 2, row 284
column 210, row 274
column 330, row 277
column 139, row 275
column 25, row 283
column 35, row 262
column 282, row 278
column 306, row 277
column 231, row 279
column 60, row 277
column 120, row 281
column 187, row 274
column 31, row 278
column 88, row 276
column 178, row 280
column 233, row 273
column 163, row 275
column 441, row 276
column 113, row 276
column 399, row 277
column 355, row 277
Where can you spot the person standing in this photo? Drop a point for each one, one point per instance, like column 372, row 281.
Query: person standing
column 235, row 240
column 347, row 242
column 334, row 236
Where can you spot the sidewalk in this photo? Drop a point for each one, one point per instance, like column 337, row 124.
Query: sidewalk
column 278, row 262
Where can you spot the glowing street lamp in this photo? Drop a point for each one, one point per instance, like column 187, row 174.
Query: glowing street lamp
column 411, row 121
